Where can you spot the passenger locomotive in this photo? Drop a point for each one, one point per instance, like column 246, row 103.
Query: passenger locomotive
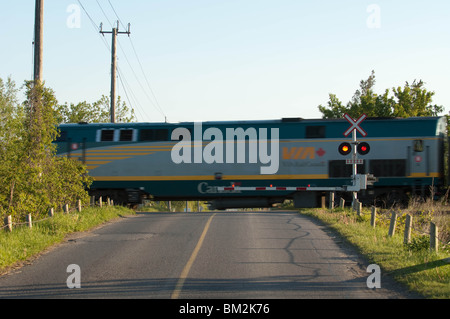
column 130, row 162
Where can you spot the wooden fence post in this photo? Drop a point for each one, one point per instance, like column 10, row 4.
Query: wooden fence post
column 100, row 201
column 408, row 226
column 331, row 203
column 393, row 224
column 51, row 212
column 79, row 205
column 434, row 240
column 8, row 222
column 341, row 203
column 29, row 222
column 373, row 216
column 358, row 208
column 66, row 209
column 92, row 201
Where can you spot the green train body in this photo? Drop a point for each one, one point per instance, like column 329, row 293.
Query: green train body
column 188, row 161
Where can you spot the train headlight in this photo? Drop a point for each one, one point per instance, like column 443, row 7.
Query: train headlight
column 363, row 148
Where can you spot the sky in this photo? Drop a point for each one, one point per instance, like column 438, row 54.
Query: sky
column 209, row 60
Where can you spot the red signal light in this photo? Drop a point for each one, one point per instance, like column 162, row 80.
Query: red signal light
column 363, row 148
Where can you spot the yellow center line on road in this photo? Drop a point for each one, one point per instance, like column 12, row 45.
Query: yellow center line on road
column 187, row 267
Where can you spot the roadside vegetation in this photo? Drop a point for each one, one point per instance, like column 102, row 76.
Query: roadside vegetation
column 33, row 179
column 413, row 264
column 23, row 243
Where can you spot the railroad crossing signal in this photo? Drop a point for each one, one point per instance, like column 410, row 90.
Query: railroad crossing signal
column 362, row 148
column 355, row 124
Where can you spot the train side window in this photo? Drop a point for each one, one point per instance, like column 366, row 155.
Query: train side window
column 154, row 135
column 126, row 135
column 107, row 136
column 315, row 132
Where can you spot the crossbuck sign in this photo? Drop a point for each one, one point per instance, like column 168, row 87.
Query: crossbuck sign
column 355, row 124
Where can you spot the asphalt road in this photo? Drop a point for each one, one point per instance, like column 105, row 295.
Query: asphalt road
column 200, row 256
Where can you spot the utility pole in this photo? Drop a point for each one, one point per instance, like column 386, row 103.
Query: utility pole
column 38, row 39
column 114, row 32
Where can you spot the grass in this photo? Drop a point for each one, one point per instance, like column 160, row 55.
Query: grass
column 23, row 243
column 414, row 265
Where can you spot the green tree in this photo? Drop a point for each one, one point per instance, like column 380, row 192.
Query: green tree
column 414, row 100
column 11, row 152
column 411, row 100
column 97, row 112
column 32, row 177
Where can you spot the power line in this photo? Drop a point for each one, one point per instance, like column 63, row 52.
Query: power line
column 117, row 16
column 139, row 82
column 101, row 8
column 126, row 88
column 94, row 25
column 155, row 103
column 121, row 76
column 146, row 79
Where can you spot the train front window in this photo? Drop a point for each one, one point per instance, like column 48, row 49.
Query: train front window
column 315, row 131
column 107, row 136
column 154, row 135
column 126, row 135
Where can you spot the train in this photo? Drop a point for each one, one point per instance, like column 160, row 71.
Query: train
column 190, row 161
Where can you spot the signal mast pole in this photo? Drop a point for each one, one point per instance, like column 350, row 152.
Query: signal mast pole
column 354, row 168
column 114, row 32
